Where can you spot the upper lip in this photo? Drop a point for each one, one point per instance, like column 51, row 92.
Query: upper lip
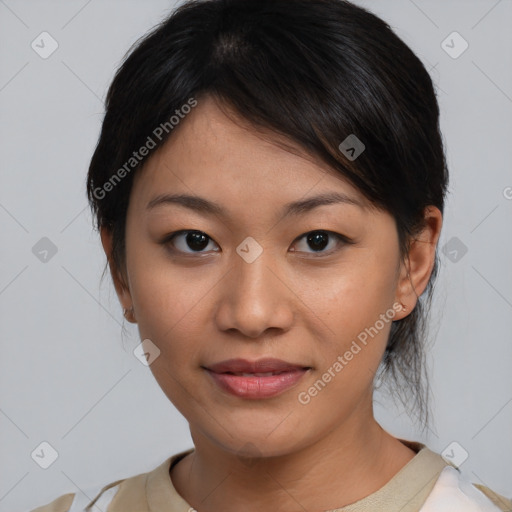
column 259, row 366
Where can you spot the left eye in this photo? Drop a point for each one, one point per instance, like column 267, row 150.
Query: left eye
column 319, row 240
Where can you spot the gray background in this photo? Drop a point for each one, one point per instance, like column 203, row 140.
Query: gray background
column 67, row 372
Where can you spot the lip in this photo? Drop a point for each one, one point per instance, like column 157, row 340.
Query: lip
column 256, row 386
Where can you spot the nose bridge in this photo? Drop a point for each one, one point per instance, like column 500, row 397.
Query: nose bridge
column 252, row 278
column 254, row 299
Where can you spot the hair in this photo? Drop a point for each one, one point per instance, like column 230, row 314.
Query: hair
column 313, row 71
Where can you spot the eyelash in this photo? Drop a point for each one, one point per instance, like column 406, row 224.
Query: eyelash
column 341, row 241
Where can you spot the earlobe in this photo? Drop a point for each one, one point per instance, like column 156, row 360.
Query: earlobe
column 122, row 290
column 417, row 268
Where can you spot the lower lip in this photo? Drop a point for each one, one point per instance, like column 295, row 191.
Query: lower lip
column 257, row 387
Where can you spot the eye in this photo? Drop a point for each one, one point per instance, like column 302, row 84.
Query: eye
column 182, row 240
column 318, row 240
column 197, row 242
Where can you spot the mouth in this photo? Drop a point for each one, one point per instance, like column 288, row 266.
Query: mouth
column 259, row 379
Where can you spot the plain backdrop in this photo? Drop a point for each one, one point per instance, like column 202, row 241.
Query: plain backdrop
column 68, row 376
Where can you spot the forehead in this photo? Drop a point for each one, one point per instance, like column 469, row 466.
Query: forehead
column 217, row 154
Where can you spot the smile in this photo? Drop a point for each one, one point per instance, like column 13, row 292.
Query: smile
column 256, row 380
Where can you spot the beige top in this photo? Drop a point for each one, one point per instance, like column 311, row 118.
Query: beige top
column 407, row 491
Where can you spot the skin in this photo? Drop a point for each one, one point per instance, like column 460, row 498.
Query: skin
column 202, row 308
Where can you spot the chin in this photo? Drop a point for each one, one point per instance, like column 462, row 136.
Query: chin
column 258, row 440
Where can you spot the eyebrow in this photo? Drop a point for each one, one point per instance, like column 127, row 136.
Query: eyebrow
column 202, row 205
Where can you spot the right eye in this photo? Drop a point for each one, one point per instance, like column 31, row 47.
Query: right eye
column 184, row 239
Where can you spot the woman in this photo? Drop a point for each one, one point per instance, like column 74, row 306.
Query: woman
column 269, row 185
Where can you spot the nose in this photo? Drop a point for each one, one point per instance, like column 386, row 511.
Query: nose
column 255, row 299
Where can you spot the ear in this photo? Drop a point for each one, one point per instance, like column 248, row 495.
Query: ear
column 418, row 263
column 122, row 289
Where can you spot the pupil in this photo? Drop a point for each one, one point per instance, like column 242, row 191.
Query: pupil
column 197, row 241
column 318, row 239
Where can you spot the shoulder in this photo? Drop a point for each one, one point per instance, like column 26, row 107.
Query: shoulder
column 127, row 494
column 500, row 501
column 61, row 504
column 452, row 492
column 77, row 502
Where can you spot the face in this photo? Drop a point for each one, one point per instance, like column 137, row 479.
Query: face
column 314, row 287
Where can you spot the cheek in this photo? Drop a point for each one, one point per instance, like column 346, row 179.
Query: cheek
column 168, row 310
column 354, row 292
column 350, row 300
column 167, row 302
column 354, row 337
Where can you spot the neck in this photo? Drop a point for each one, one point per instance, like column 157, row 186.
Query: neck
column 343, row 467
